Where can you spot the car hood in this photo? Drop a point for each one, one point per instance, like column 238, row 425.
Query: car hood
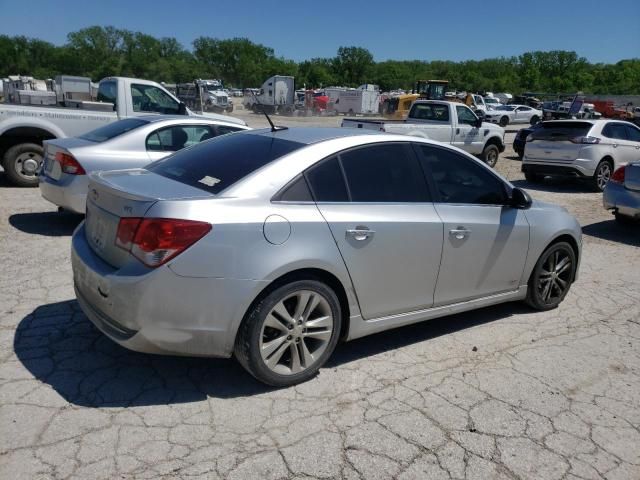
column 500, row 112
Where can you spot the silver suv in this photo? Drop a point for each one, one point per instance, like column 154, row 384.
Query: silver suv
column 591, row 149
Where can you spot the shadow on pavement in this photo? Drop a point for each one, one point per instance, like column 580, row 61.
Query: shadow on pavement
column 51, row 224
column 556, row 185
column 60, row 347
column 614, row 232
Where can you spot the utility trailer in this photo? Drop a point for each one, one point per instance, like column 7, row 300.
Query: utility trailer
column 364, row 100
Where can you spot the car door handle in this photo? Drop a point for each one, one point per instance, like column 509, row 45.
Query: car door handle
column 360, row 233
column 457, row 131
column 459, row 233
column 615, row 145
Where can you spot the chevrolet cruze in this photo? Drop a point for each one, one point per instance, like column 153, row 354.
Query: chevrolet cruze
column 273, row 245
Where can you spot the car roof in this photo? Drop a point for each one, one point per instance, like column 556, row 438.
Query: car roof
column 185, row 119
column 310, row 135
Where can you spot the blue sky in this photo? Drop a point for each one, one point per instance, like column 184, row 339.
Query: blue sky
column 601, row 31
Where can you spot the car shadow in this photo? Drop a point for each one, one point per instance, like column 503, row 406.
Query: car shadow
column 555, row 185
column 614, row 232
column 62, row 348
column 51, row 224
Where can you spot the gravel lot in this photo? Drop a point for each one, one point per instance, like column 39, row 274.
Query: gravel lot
column 502, row 392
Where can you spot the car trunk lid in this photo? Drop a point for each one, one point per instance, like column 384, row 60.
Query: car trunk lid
column 51, row 166
column 632, row 176
column 551, row 142
column 125, row 193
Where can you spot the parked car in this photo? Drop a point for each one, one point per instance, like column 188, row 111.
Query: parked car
column 129, row 143
column 589, row 149
column 273, row 245
column 521, row 138
column 506, row 114
column 622, row 193
column 492, row 103
column 447, row 122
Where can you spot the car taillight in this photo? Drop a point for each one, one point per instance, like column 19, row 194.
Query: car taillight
column 155, row 241
column 585, row 140
column 69, row 164
column 618, row 176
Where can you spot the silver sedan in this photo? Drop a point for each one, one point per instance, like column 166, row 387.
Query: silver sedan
column 128, row 143
column 273, row 245
column 622, row 193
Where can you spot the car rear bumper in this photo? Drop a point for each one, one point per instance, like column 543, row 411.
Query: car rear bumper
column 577, row 168
column 69, row 193
column 156, row 310
column 621, row 200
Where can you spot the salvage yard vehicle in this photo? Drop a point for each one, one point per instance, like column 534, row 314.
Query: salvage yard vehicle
column 363, row 100
column 277, row 95
column 507, row 114
column 128, row 143
column 24, row 128
column 588, row 149
column 622, row 193
column 447, row 122
column 272, row 245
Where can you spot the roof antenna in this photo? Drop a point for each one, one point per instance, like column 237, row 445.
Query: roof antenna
column 273, row 127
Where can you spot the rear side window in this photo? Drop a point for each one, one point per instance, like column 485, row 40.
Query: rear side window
column 215, row 165
column 296, row 191
column 223, row 129
column 430, row 111
column 114, row 129
column 615, row 130
column 327, row 182
column 633, row 133
column 561, row 131
column 384, row 173
column 177, row 137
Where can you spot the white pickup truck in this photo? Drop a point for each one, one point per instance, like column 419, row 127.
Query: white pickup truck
column 23, row 128
column 446, row 122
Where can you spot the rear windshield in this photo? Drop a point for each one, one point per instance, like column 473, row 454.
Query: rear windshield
column 561, row 131
column 219, row 163
column 112, row 130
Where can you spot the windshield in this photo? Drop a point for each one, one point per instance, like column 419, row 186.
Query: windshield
column 219, row 163
column 114, row 129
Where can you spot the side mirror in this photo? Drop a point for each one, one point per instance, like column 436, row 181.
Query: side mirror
column 520, row 199
column 182, row 108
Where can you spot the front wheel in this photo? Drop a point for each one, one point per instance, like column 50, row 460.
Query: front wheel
column 601, row 175
column 22, row 163
column 290, row 333
column 551, row 277
column 490, row 155
column 504, row 121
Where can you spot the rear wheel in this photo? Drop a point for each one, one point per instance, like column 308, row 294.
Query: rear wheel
column 22, row 162
column 490, row 155
column 601, row 175
column 551, row 277
column 290, row 333
column 504, row 121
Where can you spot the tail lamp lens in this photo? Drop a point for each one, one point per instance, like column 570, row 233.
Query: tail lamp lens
column 585, row 140
column 155, row 241
column 618, row 176
column 69, row 164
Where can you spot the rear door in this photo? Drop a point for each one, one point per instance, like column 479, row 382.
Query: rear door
column 384, row 224
column 485, row 242
column 623, row 149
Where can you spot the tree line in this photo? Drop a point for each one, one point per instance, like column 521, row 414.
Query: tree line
column 98, row 52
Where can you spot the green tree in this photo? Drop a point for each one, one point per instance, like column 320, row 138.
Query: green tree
column 352, row 66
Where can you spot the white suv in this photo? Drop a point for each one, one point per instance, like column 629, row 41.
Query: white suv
column 590, row 149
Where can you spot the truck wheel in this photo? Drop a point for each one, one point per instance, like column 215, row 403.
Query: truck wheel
column 22, row 163
column 490, row 155
column 504, row 121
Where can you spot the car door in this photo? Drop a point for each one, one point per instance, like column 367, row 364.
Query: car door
column 522, row 115
column 167, row 140
column 485, row 241
column 633, row 142
column 377, row 205
column 622, row 147
column 466, row 134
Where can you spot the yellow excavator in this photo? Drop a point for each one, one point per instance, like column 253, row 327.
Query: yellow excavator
column 398, row 106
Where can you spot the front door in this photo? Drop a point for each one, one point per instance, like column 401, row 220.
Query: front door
column 466, row 134
column 485, row 241
column 384, row 225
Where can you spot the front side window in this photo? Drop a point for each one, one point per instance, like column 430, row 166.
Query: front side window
column 384, row 173
column 177, row 137
column 147, row 98
column 615, row 130
column 461, row 180
column 465, row 115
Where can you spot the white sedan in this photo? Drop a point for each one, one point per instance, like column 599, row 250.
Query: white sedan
column 507, row 114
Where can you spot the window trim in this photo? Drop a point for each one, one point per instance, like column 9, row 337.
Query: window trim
column 180, row 125
column 432, row 184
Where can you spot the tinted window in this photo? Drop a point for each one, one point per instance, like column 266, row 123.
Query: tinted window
column 223, row 129
column 561, row 131
column 615, row 130
column 465, row 115
column 384, row 173
column 633, row 133
column 108, row 92
column 147, row 98
column 461, row 180
column 430, row 111
column 327, row 182
column 172, row 139
column 112, row 130
column 219, row 163
column 296, row 191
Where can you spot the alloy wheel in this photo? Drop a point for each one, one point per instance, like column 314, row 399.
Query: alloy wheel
column 296, row 332
column 603, row 174
column 555, row 276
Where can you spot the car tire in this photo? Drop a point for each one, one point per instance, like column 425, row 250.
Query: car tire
column 532, row 177
column 22, row 162
column 279, row 336
column 535, row 119
column 602, row 175
column 490, row 155
column 552, row 277
column 504, row 121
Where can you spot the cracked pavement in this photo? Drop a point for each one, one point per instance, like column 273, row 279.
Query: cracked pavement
column 499, row 393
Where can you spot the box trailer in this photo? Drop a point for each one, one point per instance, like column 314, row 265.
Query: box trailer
column 363, row 100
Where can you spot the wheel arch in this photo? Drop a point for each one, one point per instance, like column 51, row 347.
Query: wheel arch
column 24, row 134
column 494, row 140
column 568, row 238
